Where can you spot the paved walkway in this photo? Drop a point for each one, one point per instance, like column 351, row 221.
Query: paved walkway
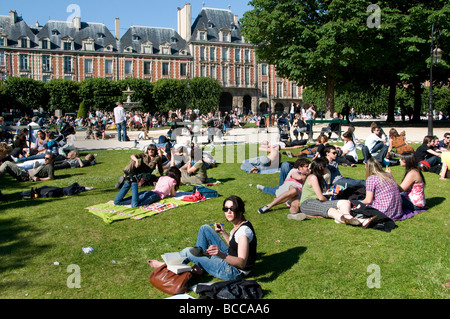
column 414, row 134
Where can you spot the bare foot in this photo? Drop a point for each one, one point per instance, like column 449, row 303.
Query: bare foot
column 154, row 263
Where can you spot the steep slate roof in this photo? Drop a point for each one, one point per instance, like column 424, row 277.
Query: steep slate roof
column 16, row 31
column 137, row 35
column 88, row 30
column 220, row 19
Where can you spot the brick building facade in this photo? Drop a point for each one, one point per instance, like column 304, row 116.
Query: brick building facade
column 212, row 47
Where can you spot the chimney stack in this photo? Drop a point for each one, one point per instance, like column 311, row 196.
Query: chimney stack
column 77, row 23
column 117, row 26
column 184, row 22
column 236, row 19
column 13, row 16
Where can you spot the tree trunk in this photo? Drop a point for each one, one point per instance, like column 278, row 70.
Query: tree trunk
column 391, row 102
column 329, row 97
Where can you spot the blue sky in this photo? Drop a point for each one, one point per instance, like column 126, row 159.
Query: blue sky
column 153, row 13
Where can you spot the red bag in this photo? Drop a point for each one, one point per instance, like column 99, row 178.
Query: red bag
column 169, row 282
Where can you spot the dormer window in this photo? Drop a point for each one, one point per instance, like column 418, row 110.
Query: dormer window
column 67, row 43
column 109, row 47
column 147, row 47
column 100, row 36
column 3, row 40
column 210, row 25
column 225, row 34
column 202, row 35
column 44, row 44
column 24, row 42
column 165, row 49
column 173, row 40
column 55, row 32
column 129, row 49
column 88, row 44
column 136, row 37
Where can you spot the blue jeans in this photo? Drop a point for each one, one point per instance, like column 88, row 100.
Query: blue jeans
column 259, row 162
column 284, row 171
column 122, row 131
column 213, row 265
column 136, row 199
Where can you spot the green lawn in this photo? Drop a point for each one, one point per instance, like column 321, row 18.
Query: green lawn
column 314, row 258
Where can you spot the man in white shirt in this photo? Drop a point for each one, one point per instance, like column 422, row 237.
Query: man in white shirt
column 375, row 143
column 120, row 119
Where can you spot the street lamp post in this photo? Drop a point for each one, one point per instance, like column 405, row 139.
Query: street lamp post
column 434, row 53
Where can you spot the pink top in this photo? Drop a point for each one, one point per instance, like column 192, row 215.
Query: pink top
column 164, row 186
column 416, row 194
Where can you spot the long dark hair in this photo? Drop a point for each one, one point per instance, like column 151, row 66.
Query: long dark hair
column 411, row 164
column 175, row 173
column 319, row 168
column 238, row 205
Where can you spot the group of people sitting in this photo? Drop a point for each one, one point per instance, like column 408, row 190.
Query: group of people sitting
column 306, row 186
column 183, row 164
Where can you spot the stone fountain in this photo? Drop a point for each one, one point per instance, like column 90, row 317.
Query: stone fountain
column 128, row 105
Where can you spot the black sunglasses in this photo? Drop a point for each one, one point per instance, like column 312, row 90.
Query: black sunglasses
column 225, row 209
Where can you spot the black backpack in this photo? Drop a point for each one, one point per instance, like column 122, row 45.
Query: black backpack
column 232, row 289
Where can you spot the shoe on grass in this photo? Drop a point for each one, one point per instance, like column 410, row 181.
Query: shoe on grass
column 297, row 216
column 263, row 210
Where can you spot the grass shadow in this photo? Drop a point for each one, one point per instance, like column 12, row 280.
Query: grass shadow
column 434, row 201
column 17, row 244
column 269, row 267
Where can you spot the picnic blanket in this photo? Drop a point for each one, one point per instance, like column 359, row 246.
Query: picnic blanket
column 111, row 213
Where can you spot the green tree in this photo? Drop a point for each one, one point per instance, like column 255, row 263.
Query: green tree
column 309, row 42
column 143, row 92
column 205, row 94
column 171, row 94
column 25, row 93
column 100, row 94
column 63, row 94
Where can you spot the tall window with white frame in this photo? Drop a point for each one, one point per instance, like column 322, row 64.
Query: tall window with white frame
column 23, row 62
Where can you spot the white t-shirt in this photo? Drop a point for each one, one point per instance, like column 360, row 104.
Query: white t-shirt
column 371, row 141
column 119, row 114
column 351, row 148
column 243, row 231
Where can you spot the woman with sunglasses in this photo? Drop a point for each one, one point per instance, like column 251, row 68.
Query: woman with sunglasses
column 227, row 258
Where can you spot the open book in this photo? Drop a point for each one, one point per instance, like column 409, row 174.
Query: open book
column 174, row 262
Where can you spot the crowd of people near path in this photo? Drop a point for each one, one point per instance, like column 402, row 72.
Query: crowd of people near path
column 311, row 186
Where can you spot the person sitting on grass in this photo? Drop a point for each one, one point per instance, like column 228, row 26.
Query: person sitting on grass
column 315, row 150
column 230, row 258
column 398, row 142
column 382, row 192
column 166, row 186
column 412, row 187
column 445, row 158
column 426, row 152
column 143, row 163
column 291, row 190
column 260, row 164
column 314, row 203
column 347, row 155
column 194, row 171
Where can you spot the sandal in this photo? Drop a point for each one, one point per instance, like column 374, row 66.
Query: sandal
column 350, row 221
column 368, row 222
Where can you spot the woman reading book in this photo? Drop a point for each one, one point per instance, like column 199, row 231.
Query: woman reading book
column 229, row 258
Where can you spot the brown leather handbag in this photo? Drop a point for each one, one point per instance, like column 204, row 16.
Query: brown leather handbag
column 168, row 281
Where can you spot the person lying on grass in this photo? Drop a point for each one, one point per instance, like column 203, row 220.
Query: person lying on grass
column 229, row 258
column 166, row 186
